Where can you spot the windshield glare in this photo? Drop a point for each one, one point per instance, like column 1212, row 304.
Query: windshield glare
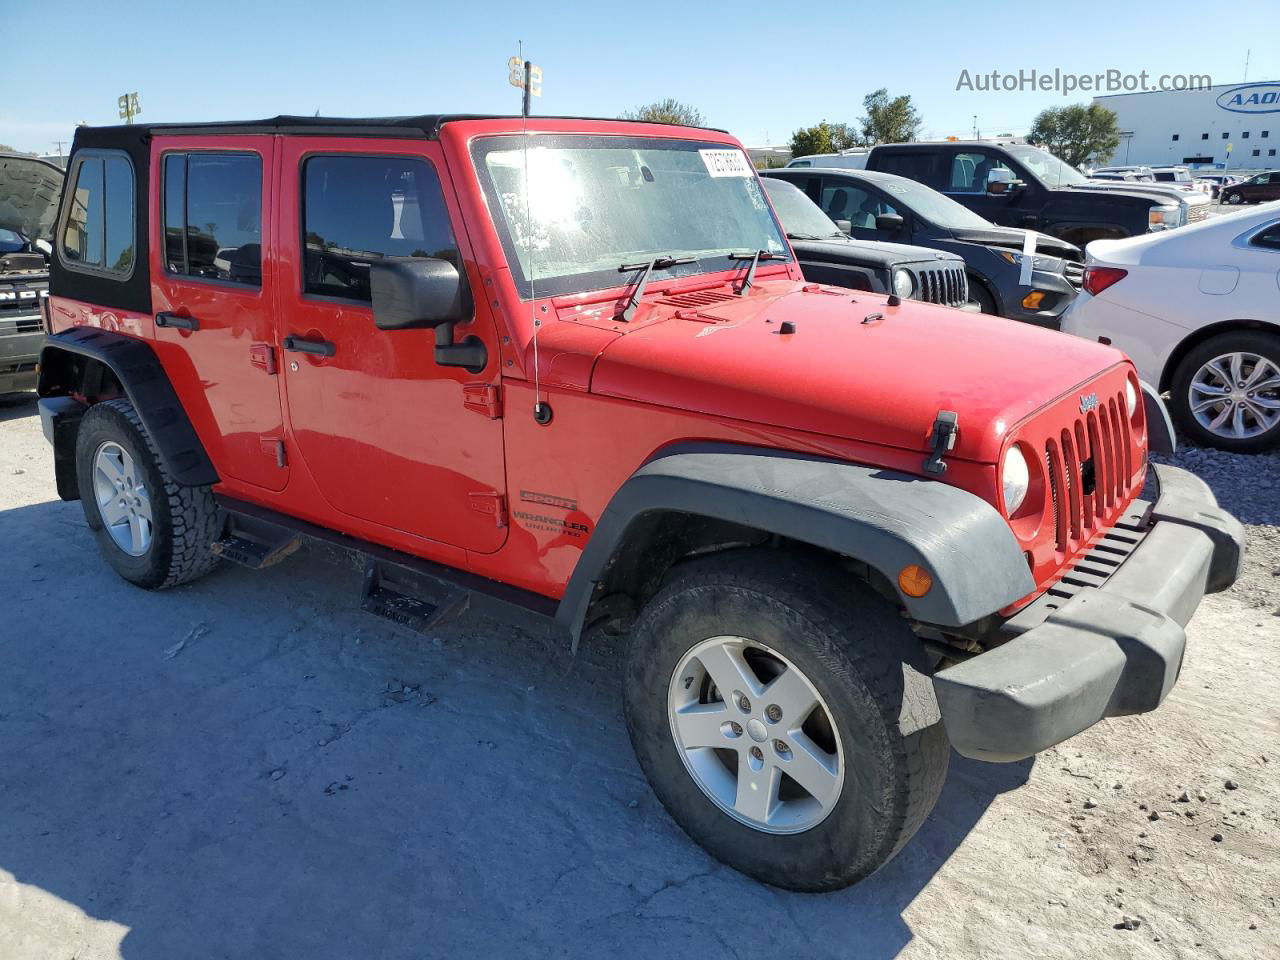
column 933, row 206
column 572, row 209
column 800, row 216
column 1048, row 168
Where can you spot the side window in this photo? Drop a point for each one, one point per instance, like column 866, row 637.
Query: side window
column 213, row 216
column 1269, row 238
column 969, row 172
column 915, row 165
column 359, row 209
column 99, row 230
column 842, row 201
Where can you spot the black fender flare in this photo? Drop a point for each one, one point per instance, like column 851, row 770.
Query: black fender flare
column 883, row 518
column 135, row 365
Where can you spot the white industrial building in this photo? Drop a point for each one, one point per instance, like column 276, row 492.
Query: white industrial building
column 1196, row 127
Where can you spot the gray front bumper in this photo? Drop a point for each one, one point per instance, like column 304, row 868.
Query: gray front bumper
column 1110, row 650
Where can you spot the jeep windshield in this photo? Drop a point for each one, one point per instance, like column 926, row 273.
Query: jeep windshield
column 571, row 209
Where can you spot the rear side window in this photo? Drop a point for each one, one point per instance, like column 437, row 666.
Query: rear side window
column 914, row 165
column 213, row 216
column 359, row 209
column 98, row 234
column 1269, row 237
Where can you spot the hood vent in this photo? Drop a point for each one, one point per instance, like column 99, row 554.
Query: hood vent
column 697, row 299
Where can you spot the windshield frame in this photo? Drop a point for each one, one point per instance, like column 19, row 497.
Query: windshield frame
column 608, row 279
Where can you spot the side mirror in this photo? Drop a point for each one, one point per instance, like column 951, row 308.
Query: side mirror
column 413, row 293
column 1001, row 182
column 890, row 222
column 844, row 226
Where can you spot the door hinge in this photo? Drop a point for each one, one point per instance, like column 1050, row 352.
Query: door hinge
column 492, row 504
column 263, row 356
column 276, row 449
column 483, row 398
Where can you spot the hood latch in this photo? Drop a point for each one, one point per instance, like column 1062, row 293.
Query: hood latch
column 946, row 427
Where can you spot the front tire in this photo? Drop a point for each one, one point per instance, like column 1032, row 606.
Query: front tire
column 781, row 713
column 1235, row 199
column 1226, row 392
column 152, row 532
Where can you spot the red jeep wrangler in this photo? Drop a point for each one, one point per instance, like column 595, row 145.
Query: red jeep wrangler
column 573, row 364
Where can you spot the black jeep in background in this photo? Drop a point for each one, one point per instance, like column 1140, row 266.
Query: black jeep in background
column 1017, row 185
column 827, row 255
column 29, row 189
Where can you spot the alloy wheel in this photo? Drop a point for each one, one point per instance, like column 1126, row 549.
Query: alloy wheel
column 755, row 735
column 123, row 502
column 1236, row 395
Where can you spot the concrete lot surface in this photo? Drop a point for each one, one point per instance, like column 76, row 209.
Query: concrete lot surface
column 250, row 767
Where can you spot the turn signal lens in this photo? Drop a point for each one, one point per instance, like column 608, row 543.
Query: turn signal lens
column 1097, row 279
column 914, row 580
column 1032, row 300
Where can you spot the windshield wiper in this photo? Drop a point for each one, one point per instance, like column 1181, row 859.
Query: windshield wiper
column 657, row 263
column 755, row 259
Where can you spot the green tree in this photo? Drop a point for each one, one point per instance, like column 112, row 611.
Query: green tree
column 825, row 137
column 669, row 110
column 888, row 120
column 5, row 148
column 1077, row 133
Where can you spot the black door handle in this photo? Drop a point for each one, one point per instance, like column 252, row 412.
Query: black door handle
column 180, row 323
column 320, row 348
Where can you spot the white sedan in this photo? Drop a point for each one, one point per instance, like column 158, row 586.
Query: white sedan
column 1198, row 311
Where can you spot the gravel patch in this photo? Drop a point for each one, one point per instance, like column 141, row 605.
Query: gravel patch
column 1248, row 485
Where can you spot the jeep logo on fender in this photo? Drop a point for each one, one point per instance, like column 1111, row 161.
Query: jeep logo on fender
column 1088, row 401
column 1253, row 98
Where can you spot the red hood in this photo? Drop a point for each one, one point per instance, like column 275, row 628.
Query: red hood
column 882, row 381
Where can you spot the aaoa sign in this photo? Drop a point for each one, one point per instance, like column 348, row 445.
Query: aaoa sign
column 1252, row 98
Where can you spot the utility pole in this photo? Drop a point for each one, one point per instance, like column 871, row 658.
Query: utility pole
column 59, row 144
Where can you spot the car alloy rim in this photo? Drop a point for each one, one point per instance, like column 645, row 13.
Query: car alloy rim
column 1236, row 395
column 755, row 735
column 122, row 499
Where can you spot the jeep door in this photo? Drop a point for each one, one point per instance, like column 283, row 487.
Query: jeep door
column 213, row 293
column 389, row 436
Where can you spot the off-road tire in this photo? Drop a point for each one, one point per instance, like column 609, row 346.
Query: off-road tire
column 865, row 663
column 1257, row 342
column 186, row 521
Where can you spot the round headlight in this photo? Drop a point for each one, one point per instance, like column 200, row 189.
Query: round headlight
column 903, row 285
column 1015, row 478
column 1130, row 398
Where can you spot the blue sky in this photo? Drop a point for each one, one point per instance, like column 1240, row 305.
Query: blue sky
column 759, row 70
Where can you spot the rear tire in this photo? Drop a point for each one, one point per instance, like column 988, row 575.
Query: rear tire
column 160, row 534
column 875, row 725
column 1195, row 382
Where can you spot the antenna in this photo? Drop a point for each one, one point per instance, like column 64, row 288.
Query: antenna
column 522, row 70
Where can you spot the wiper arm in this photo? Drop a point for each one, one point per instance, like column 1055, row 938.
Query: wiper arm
column 755, row 259
column 657, row 263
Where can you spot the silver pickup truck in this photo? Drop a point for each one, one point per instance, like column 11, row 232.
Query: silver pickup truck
column 29, row 190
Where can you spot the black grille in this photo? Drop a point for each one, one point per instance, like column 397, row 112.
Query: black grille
column 1075, row 274
column 945, row 285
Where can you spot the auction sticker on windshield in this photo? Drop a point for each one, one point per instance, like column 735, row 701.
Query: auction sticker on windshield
column 726, row 163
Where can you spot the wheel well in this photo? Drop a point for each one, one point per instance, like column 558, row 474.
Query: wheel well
column 977, row 281
column 1198, row 337
column 1081, row 236
column 65, row 373
column 659, row 541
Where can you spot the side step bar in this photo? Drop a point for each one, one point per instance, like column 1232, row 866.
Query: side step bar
column 408, row 590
